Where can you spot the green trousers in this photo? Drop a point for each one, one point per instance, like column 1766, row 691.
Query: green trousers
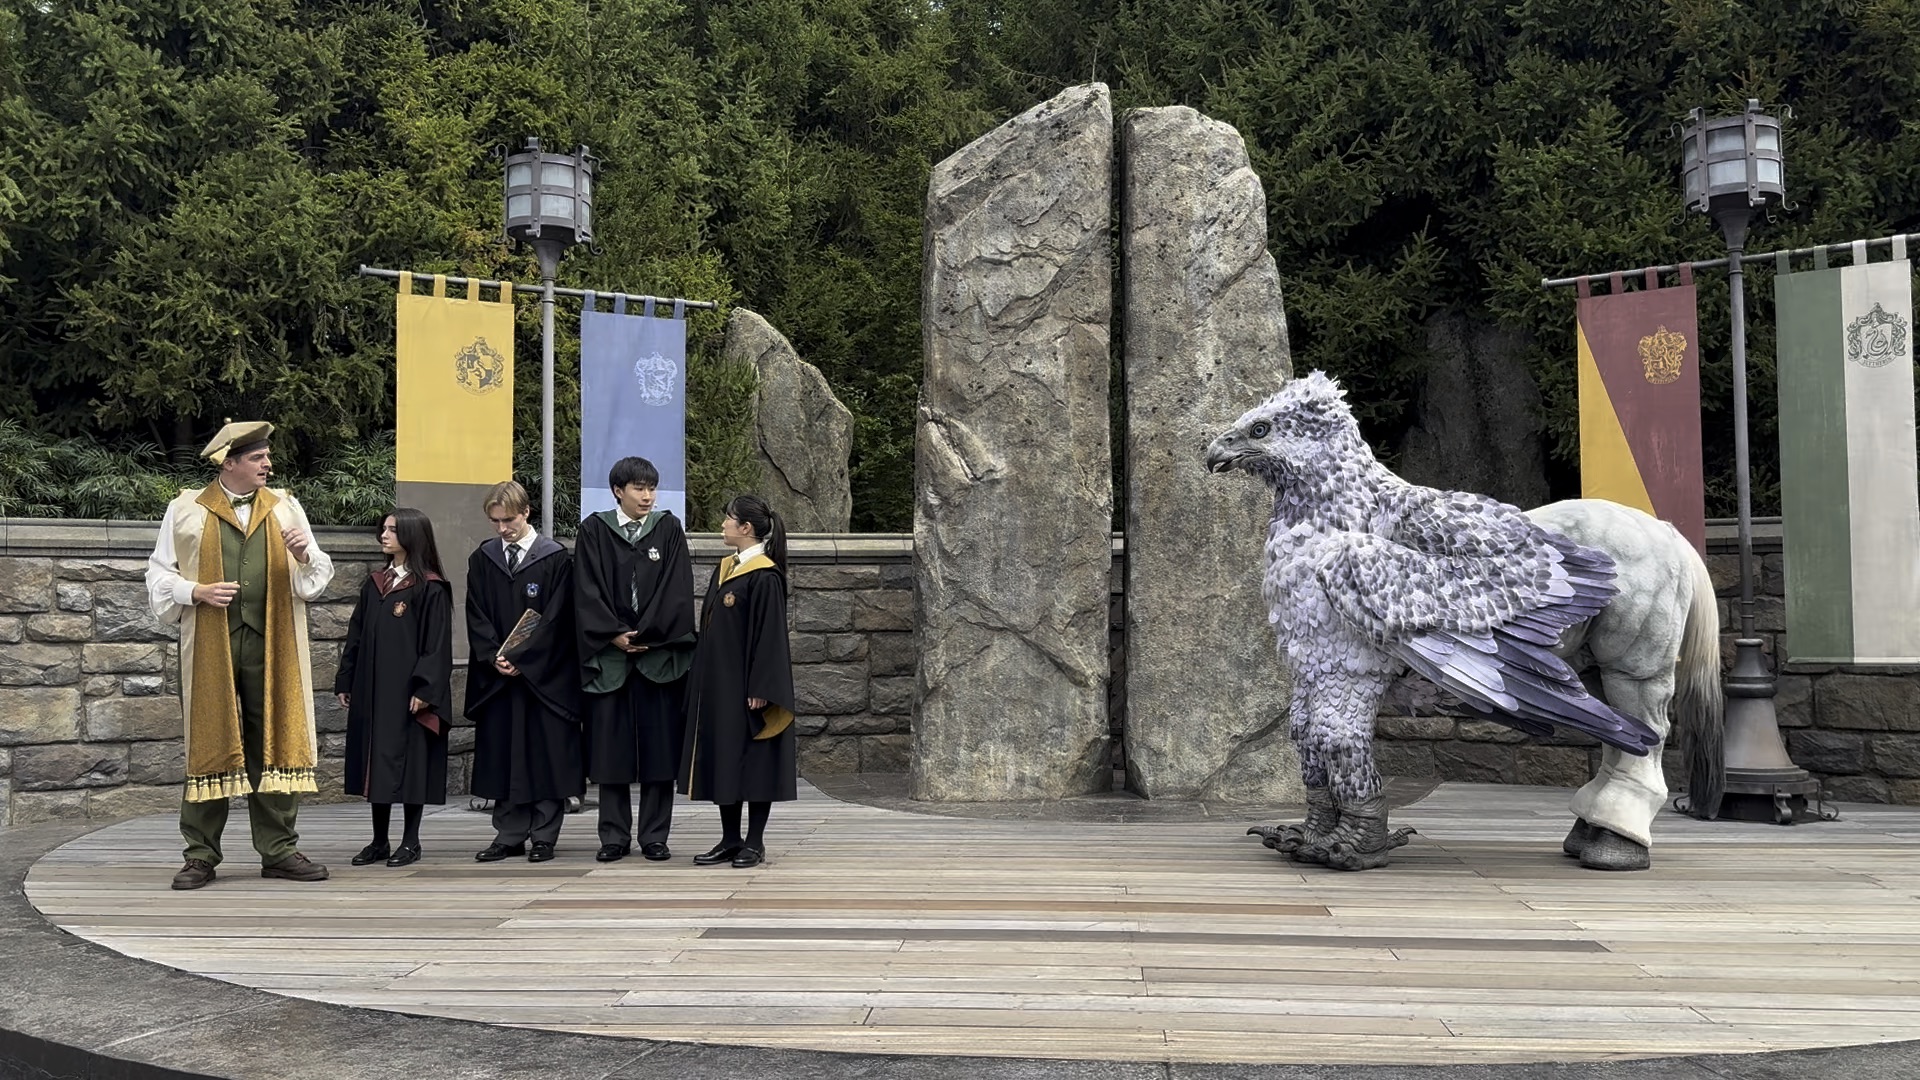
column 271, row 816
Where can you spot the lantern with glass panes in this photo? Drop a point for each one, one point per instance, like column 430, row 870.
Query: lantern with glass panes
column 549, row 201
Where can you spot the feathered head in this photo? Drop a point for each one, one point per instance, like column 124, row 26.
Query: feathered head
column 1305, row 430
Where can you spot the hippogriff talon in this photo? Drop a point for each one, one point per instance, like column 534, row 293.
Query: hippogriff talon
column 1360, row 841
column 1322, row 817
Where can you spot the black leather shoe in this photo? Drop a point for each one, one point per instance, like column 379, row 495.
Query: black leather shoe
column 542, row 852
column 656, row 852
column 496, row 852
column 749, row 856
column 405, row 855
column 372, row 853
column 722, row 852
column 611, row 853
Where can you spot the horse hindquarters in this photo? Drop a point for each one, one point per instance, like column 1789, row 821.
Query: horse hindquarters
column 1657, row 649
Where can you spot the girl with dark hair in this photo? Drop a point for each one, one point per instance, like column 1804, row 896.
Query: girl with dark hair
column 740, row 742
column 394, row 682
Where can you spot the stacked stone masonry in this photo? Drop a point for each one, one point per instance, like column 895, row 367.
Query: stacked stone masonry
column 90, row 709
column 90, row 723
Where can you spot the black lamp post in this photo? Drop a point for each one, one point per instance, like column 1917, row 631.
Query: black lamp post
column 549, row 205
column 1733, row 169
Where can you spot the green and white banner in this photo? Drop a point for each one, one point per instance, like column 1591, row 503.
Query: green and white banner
column 1849, row 493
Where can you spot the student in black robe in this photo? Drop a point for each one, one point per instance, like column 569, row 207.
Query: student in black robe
column 394, row 682
column 740, row 742
column 633, row 609
column 525, row 706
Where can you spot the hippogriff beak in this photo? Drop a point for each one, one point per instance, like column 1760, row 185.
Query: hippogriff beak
column 1219, row 457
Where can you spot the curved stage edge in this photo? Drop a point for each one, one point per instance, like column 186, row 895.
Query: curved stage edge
column 75, row 1007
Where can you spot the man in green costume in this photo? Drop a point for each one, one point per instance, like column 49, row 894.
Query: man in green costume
column 234, row 566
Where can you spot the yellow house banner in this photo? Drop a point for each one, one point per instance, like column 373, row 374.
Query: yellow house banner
column 453, row 386
column 453, row 416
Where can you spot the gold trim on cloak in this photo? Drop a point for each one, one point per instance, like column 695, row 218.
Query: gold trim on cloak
column 217, row 762
column 778, row 717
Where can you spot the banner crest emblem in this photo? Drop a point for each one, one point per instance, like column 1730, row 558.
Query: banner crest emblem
column 479, row 368
column 1663, row 354
column 657, row 376
column 1877, row 338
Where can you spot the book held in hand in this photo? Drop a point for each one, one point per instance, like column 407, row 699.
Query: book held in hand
column 517, row 637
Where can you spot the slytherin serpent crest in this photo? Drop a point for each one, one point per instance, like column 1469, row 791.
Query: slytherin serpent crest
column 1877, row 338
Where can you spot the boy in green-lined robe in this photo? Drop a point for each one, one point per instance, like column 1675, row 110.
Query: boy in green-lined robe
column 633, row 611
column 234, row 566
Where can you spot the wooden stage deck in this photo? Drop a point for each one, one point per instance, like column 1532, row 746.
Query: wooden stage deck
column 876, row 930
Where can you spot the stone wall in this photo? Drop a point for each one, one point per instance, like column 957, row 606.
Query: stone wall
column 90, row 713
column 90, row 723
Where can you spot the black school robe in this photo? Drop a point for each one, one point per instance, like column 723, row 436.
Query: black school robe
column 742, row 653
column 632, row 701
column 526, row 744
column 399, row 646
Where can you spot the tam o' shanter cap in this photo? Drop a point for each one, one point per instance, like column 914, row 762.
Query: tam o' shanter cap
column 237, row 437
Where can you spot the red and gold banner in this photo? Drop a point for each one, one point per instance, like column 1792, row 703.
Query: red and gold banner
column 1640, row 402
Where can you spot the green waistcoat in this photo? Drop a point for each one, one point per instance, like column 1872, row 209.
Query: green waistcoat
column 244, row 559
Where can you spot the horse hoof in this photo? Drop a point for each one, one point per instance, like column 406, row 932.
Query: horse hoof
column 1608, row 850
column 1577, row 839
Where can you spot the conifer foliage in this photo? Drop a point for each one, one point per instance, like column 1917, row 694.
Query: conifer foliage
column 187, row 186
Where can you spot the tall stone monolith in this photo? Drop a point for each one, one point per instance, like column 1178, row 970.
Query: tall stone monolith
column 803, row 433
column 1206, row 339
column 1013, row 476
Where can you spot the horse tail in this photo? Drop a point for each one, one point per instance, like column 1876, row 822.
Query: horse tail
column 1699, row 702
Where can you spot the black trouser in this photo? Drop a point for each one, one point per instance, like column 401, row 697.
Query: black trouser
column 516, row 823
column 616, row 813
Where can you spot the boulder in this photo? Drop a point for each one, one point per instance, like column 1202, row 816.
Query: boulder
column 1206, row 339
column 1013, row 506
column 803, row 434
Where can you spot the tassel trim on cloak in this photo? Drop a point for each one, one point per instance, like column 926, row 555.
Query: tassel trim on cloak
column 272, row 782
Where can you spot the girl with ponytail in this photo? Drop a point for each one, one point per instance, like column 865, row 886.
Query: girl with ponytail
column 740, row 740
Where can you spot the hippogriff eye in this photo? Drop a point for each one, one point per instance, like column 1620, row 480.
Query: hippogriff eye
column 1260, row 430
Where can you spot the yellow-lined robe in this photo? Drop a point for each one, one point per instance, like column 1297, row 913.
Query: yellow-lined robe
column 215, row 761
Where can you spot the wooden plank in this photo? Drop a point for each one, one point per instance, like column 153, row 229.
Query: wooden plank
column 1156, row 941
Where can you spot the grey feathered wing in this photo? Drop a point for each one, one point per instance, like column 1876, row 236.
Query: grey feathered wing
column 1473, row 595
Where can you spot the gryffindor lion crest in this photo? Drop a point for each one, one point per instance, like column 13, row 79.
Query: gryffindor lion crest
column 1663, row 354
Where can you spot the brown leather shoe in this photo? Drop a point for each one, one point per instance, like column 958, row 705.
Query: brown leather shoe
column 295, row 867
column 197, row 873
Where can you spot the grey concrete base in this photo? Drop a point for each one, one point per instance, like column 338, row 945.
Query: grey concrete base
column 69, row 1008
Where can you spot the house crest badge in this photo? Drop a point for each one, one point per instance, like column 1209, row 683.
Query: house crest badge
column 726, row 600
column 1877, row 338
column 658, row 377
column 653, row 553
column 1663, row 355
column 480, row 368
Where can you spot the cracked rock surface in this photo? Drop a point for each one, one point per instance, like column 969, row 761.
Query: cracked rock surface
column 1206, row 339
column 1014, row 490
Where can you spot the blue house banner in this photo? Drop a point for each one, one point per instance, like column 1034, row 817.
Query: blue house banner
column 633, row 400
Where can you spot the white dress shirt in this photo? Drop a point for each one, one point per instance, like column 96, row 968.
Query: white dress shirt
column 169, row 591
column 748, row 553
column 525, row 544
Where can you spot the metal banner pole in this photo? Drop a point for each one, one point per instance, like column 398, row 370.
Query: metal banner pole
column 546, row 407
